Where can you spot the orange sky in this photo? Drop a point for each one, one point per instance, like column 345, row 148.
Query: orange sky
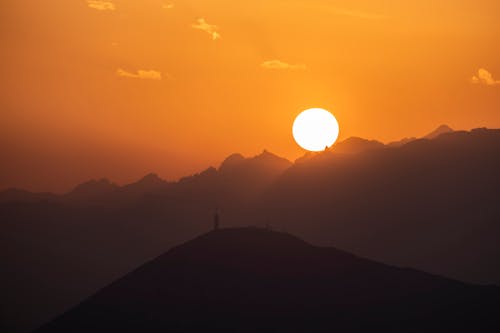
column 117, row 89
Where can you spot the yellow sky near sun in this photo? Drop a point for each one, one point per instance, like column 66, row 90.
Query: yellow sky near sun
column 122, row 88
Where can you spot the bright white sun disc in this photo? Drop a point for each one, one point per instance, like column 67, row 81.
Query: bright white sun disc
column 315, row 129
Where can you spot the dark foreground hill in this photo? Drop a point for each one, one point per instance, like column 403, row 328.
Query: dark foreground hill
column 256, row 280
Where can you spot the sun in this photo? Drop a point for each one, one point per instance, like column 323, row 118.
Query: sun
column 315, row 129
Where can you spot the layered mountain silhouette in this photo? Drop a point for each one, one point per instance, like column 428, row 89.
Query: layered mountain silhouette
column 93, row 190
column 256, row 280
column 429, row 204
column 237, row 181
column 401, row 142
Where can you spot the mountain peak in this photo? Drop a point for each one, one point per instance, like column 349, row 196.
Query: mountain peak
column 442, row 129
column 265, row 152
column 148, row 183
column 264, row 160
column 268, row 156
column 231, row 161
column 151, row 178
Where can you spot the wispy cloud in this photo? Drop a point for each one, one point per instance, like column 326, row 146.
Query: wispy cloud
column 484, row 77
column 101, row 5
column 169, row 5
column 211, row 29
column 140, row 74
column 281, row 65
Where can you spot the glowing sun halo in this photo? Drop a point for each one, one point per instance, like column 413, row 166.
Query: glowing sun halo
column 315, row 129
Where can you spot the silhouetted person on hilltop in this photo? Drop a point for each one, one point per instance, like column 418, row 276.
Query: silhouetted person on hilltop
column 216, row 220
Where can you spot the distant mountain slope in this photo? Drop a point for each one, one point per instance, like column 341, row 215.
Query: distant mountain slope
column 356, row 145
column 150, row 182
column 255, row 280
column 402, row 142
column 236, row 183
column 93, row 189
column 17, row 195
column 442, row 129
column 430, row 204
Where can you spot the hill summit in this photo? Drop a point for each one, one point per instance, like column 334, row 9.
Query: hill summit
column 257, row 280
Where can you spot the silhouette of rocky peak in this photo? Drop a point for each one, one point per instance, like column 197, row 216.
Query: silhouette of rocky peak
column 354, row 145
column 231, row 161
column 438, row 131
column 148, row 183
column 151, row 179
column 95, row 187
column 264, row 160
column 269, row 158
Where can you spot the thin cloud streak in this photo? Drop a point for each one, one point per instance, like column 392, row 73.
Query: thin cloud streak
column 140, row 74
column 281, row 65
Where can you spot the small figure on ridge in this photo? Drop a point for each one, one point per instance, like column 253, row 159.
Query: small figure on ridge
column 216, row 219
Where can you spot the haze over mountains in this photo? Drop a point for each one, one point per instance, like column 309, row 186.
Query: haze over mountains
column 257, row 280
column 430, row 204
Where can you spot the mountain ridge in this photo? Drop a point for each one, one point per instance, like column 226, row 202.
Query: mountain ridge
column 349, row 145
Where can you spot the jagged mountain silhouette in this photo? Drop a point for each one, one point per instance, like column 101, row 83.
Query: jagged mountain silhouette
column 256, row 280
column 430, row 204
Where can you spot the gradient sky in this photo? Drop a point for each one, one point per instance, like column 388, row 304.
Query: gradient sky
column 118, row 89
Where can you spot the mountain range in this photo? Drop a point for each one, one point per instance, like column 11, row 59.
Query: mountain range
column 429, row 203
